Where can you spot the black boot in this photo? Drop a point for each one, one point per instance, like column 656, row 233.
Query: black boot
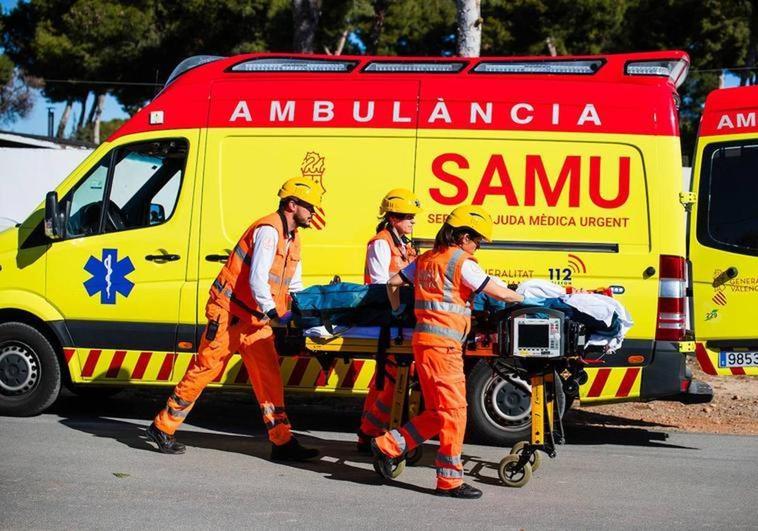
column 166, row 443
column 363, row 444
column 465, row 491
column 292, row 451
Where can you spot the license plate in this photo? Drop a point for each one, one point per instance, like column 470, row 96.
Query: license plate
column 738, row 359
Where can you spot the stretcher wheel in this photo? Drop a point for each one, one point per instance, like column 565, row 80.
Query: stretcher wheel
column 511, row 475
column 535, row 461
column 399, row 469
column 414, row 456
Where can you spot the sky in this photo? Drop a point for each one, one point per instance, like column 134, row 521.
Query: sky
column 36, row 121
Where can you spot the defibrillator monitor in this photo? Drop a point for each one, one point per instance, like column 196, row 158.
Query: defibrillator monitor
column 533, row 337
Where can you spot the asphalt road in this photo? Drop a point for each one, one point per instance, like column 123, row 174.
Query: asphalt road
column 85, row 464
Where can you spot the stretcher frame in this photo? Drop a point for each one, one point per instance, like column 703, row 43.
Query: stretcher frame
column 515, row 469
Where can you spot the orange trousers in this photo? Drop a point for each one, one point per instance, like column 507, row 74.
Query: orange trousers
column 224, row 336
column 443, row 385
column 378, row 404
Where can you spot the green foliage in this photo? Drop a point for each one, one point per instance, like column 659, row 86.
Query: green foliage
column 107, row 128
column 143, row 40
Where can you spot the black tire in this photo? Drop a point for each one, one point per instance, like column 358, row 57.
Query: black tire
column 499, row 412
column 30, row 373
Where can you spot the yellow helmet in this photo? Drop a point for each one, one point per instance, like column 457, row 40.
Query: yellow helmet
column 400, row 201
column 302, row 188
column 472, row 217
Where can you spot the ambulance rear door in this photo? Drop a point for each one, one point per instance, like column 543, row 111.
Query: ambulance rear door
column 723, row 234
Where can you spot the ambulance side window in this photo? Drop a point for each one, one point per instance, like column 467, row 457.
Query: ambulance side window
column 138, row 184
column 729, row 186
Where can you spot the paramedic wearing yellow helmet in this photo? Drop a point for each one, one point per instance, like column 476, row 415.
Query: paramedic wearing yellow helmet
column 250, row 293
column 445, row 279
column 387, row 252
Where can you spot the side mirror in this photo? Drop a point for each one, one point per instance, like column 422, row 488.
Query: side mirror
column 157, row 214
column 54, row 218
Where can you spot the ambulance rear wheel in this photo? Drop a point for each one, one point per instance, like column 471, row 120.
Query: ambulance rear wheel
column 30, row 373
column 499, row 410
column 510, row 473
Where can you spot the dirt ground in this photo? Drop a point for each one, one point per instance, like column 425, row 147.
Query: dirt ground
column 734, row 409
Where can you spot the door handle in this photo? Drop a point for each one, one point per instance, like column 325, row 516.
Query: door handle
column 216, row 257
column 162, row 257
column 725, row 276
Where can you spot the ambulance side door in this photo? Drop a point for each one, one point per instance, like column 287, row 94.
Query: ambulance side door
column 118, row 274
column 723, row 249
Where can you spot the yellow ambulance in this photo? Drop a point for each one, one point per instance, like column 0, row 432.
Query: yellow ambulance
column 577, row 158
column 723, row 235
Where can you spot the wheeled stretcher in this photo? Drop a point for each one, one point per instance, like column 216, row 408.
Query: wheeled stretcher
column 539, row 344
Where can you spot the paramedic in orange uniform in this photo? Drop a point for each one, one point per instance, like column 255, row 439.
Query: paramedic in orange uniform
column 249, row 295
column 387, row 253
column 444, row 280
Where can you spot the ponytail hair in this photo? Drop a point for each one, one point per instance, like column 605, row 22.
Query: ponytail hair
column 448, row 236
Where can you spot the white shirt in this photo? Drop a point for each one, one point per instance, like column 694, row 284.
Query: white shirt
column 472, row 275
column 378, row 258
column 266, row 240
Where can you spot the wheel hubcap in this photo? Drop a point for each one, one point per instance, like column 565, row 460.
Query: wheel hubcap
column 19, row 369
column 507, row 403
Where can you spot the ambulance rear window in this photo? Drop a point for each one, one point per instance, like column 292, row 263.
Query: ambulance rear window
column 728, row 192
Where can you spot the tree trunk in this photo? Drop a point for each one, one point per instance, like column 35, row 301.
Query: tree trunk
column 469, row 28
column 551, row 46
column 341, row 42
column 305, row 15
column 84, row 111
column 380, row 9
column 64, row 119
column 96, row 115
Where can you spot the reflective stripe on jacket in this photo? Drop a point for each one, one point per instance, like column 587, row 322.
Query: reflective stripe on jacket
column 402, row 253
column 231, row 289
column 443, row 317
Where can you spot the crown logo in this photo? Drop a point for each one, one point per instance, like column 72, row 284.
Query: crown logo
column 313, row 168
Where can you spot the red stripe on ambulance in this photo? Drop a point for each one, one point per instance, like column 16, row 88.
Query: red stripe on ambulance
column 627, row 382
column 115, row 366
column 297, row 373
column 168, row 364
column 599, row 383
column 352, row 374
column 91, row 363
column 139, row 369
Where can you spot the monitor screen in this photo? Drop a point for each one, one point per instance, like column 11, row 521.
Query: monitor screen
column 533, row 335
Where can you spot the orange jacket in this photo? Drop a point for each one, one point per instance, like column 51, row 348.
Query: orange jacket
column 231, row 289
column 402, row 254
column 443, row 318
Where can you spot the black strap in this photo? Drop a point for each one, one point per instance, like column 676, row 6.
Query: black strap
column 381, row 357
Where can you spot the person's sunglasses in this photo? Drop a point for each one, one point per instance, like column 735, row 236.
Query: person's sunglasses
column 310, row 208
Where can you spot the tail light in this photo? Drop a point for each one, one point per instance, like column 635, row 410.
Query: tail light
column 672, row 299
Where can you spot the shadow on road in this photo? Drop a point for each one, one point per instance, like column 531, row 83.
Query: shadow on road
column 236, row 419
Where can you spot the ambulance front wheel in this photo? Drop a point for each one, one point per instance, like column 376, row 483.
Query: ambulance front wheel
column 513, row 475
column 30, row 373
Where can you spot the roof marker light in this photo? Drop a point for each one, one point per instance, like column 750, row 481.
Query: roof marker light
column 674, row 69
column 408, row 67
column 291, row 64
column 569, row 66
